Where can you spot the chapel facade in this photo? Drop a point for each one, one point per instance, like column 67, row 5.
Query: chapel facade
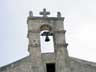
column 48, row 48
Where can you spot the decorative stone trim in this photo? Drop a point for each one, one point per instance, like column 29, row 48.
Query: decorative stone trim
column 62, row 45
column 61, row 31
column 45, row 18
column 35, row 45
column 30, row 14
column 31, row 31
column 65, row 45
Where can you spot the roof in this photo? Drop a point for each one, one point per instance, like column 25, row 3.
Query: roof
column 83, row 61
column 16, row 63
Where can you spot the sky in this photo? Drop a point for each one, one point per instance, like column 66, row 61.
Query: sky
column 79, row 23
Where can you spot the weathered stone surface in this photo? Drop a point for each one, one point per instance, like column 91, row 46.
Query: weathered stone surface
column 25, row 65
column 78, row 65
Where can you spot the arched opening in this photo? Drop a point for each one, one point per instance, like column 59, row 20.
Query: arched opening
column 45, row 27
column 46, row 39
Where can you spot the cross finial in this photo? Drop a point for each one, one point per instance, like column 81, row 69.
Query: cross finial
column 44, row 13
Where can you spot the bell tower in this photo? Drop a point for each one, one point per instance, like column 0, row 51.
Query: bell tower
column 47, row 45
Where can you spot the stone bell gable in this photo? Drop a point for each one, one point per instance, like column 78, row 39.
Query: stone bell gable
column 48, row 48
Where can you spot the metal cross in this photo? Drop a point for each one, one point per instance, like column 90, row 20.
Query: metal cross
column 44, row 13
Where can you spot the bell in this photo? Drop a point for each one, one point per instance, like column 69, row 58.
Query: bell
column 47, row 39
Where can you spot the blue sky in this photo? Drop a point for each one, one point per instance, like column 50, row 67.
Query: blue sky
column 79, row 22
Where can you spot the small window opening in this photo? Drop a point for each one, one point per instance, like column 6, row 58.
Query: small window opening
column 50, row 67
column 46, row 39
